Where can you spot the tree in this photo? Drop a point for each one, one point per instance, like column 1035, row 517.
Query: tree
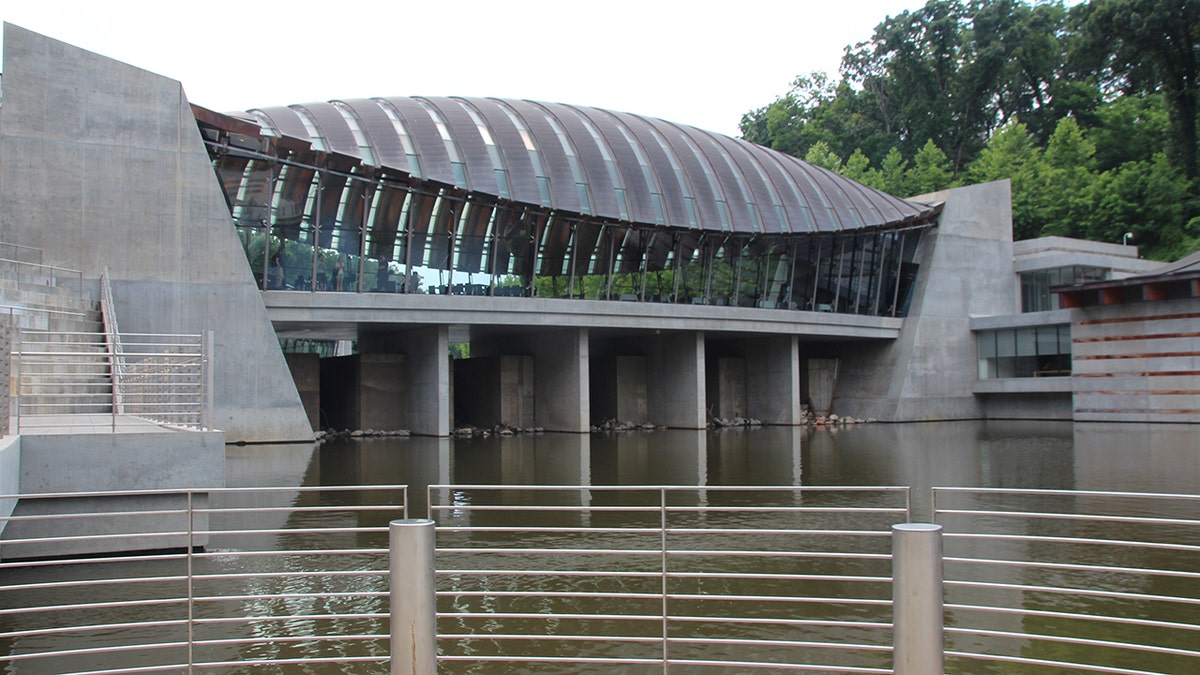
column 1143, row 46
column 930, row 171
column 1011, row 154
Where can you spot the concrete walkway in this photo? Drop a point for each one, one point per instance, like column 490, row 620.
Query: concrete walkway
column 86, row 423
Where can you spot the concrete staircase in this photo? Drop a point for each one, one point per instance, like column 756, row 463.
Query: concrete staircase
column 62, row 366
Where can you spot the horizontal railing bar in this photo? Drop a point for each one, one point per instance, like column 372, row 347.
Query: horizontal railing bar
column 290, row 552
column 297, row 530
column 771, row 665
column 257, row 640
column 290, row 575
column 92, row 650
column 782, row 554
column 251, row 663
column 330, row 508
column 1090, row 517
column 536, row 551
column 289, row 596
column 1035, row 564
column 289, row 617
column 210, row 492
column 64, row 630
column 780, row 577
column 853, row 510
column 1132, row 621
column 739, row 621
column 878, row 602
column 114, row 558
column 1066, row 639
column 1074, row 540
column 556, row 637
column 83, row 583
column 11, row 611
column 632, row 595
column 656, row 530
column 1125, row 595
column 786, row 643
column 671, row 488
column 549, row 573
column 590, row 660
column 1067, row 493
column 542, row 616
column 92, row 537
column 992, row 657
column 92, row 514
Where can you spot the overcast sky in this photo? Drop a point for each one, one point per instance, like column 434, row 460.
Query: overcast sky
column 699, row 63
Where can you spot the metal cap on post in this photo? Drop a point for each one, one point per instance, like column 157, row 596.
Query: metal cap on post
column 413, row 598
column 917, row 621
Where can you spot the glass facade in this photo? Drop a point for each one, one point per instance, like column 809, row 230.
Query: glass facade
column 376, row 196
column 1031, row 351
column 1035, row 286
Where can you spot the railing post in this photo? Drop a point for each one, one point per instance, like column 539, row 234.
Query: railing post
column 413, row 598
column 917, row 621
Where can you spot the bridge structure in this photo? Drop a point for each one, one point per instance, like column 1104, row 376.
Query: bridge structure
column 599, row 264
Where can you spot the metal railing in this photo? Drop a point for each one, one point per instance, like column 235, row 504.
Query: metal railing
column 591, row 578
column 770, row 578
column 71, row 379
column 1082, row 581
column 239, row 578
column 37, row 276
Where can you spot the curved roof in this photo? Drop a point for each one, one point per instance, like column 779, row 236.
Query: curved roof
column 594, row 162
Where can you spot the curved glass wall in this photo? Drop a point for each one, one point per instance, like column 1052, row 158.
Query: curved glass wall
column 314, row 220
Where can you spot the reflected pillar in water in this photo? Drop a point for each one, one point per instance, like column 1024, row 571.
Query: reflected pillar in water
column 676, row 380
column 755, row 456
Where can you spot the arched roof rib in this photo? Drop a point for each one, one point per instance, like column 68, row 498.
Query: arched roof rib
column 665, row 174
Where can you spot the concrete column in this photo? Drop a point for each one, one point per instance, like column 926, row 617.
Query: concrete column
column 773, row 379
column 677, row 381
column 429, row 381
column 561, row 391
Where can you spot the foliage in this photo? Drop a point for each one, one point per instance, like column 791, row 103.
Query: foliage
column 1091, row 111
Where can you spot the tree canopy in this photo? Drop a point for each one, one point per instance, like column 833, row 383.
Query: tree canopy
column 1090, row 110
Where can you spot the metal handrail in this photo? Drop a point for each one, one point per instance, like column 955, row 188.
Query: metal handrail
column 986, row 529
column 163, row 379
column 264, row 593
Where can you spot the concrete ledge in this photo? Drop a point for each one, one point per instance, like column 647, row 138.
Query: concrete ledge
column 1052, row 318
column 1023, row 385
column 338, row 315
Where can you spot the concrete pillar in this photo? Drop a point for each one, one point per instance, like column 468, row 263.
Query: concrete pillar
column 677, row 380
column 820, row 379
column 562, row 395
column 773, row 379
column 619, row 389
column 429, row 381
column 729, row 389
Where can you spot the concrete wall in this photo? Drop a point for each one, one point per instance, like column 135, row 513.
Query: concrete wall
column 10, row 475
column 494, row 390
column 101, row 165
column 676, row 380
column 365, row 391
column 965, row 270
column 773, row 380
column 1137, row 362
column 306, row 373
column 618, row 389
column 110, row 462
